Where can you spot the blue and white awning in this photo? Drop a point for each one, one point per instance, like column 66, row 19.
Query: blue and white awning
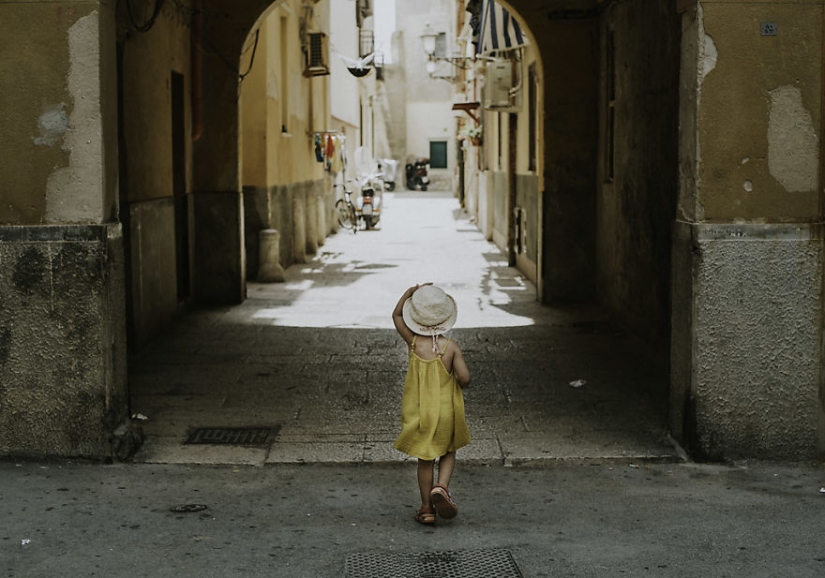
column 498, row 30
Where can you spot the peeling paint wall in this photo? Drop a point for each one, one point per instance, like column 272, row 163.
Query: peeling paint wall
column 58, row 158
column 759, row 111
column 793, row 145
column 69, row 190
column 62, row 335
column 747, row 297
column 34, row 118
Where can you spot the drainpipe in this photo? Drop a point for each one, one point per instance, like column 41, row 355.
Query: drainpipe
column 196, row 42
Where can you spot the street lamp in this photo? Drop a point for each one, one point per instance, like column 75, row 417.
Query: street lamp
column 429, row 38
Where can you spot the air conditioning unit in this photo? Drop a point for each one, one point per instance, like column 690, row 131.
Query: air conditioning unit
column 498, row 88
column 317, row 55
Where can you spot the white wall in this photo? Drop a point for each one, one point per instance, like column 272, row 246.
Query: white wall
column 344, row 95
column 429, row 100
column 428, row 121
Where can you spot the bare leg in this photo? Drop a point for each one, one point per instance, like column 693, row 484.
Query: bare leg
column 425, row 482
column 446, row 465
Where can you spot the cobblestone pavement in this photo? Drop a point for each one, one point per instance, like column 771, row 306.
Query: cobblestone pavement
column 316, row 359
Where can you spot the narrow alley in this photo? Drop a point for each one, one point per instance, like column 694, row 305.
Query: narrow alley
column 316, row 364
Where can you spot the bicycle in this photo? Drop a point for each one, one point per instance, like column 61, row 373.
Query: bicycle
column 347, row 217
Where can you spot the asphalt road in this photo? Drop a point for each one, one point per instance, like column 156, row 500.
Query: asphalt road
column 292, row 521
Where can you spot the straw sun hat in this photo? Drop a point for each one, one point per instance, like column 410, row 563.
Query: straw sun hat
column 430, row 311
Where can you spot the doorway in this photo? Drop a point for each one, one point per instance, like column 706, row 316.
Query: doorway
column 179, row 187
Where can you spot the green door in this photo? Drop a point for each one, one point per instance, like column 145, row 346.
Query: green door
column 438, row 154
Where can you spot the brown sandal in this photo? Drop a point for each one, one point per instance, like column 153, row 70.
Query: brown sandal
column 443, row 502
column 423, row 517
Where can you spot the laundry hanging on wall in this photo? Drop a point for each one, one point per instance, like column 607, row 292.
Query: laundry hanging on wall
column 329, row 149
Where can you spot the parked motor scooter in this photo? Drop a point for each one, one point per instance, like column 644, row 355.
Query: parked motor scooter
column 417, row 174
column 368, row 205
column 388, row 168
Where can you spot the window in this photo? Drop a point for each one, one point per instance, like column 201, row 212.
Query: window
column 438, row 154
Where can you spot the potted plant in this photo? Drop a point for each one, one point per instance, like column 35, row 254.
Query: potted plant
column 473, row 134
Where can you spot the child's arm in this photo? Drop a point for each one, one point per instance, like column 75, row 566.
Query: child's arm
column 462, row 373
column 397, row 318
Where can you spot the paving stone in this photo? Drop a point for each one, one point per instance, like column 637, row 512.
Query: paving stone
column 318, row 356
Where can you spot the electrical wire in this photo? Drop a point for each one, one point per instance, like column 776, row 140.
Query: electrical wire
column 146, row 26
column 252, row 58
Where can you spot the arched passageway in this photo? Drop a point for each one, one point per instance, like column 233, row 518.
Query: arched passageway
column 538, row 392
column 316, row 360
column 569, row 264
column 101, row 179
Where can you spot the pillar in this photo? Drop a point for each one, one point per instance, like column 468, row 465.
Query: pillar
column 63, row 385
column 748, row 238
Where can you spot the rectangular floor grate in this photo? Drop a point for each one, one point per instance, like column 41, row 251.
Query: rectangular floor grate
column 446, row 564
column 232, row 436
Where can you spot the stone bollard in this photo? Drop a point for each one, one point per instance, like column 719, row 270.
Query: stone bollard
column 311, row 229
column 322, row 221
column 269, row 255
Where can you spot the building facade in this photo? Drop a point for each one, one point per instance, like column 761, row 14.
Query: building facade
column 676, row 183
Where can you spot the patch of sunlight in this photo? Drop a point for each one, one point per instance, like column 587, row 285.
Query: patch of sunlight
column 367, row 304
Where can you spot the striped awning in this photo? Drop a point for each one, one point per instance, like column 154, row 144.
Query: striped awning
column 498, row 30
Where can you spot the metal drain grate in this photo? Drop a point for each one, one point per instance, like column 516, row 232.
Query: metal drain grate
column 446, row 564
column 231, row 436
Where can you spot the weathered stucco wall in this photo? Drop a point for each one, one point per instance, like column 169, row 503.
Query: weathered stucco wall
column 62, row 341
column 62, row 335
column 759, row 111
column 756, row 294
column 637, row 202
column 58, row 156
column 747, row 291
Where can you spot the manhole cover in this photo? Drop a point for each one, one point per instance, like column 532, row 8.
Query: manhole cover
column 232, row 436
column 446, row 564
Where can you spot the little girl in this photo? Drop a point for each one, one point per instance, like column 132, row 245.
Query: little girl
column 432, row 409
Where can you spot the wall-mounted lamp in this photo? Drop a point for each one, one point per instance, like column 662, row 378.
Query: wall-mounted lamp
column 428, row 38
column 429, row 41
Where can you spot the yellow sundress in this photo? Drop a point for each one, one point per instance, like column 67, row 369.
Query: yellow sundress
column 432, row 409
